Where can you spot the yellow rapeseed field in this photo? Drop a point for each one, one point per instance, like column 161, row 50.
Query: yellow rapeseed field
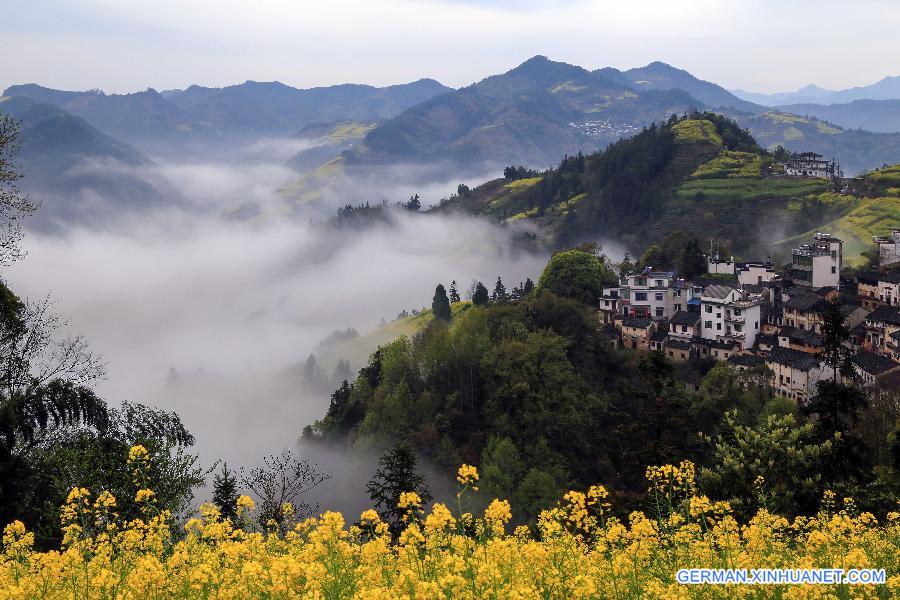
column 578, row 550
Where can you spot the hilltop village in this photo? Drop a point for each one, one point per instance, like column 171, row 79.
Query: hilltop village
column 754, row 313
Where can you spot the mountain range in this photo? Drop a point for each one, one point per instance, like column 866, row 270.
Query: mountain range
column 886, row 89
column 532, row 114
column 209, row 120
column 541, row 110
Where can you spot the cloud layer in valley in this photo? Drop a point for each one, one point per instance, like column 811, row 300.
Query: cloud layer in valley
column 214, row 318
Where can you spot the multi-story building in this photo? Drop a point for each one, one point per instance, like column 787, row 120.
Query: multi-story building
column 636, row 332
column 817, row 264
column 755, row 273
column 888, row 248
column 880, row 324
column 720, row 266
column 871, row 367
column 889, row 288
column 648, row 294
column 807, row 164
column 867, row 289
column 795, row 374
column 729, row 315
column 805, row 310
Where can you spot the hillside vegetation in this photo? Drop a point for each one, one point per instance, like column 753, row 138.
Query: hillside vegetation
column 701, row 175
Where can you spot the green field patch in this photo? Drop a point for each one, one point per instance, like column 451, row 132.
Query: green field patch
column 792, row 133
column 521, row 184
column 826, row 128
column 731, row 164
column 746, row 188
column 781, row 117
column 567, row 86
column 696, row 130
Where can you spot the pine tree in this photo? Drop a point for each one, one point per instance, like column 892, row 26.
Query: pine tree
column 396, row 474
column 500, row 294
column 225, row 493
column 480, row 294
column 527, row 287
column 836, row 332
column 440, row 305
column 454, row 293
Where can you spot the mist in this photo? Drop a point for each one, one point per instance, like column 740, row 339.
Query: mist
column 213, row 317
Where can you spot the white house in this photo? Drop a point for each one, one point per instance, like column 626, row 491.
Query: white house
column 729, row 315
column 817, row 264
column 647, row 294
column 755, row 273
column 795, row 373
column 888, row 248
column 807, row 164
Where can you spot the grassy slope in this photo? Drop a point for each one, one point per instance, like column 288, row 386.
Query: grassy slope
column 705, row 189
column 357, row 350
column 874, row 212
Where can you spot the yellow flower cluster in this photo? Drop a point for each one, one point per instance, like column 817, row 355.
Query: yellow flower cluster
column 579, row 550
column 467, row 476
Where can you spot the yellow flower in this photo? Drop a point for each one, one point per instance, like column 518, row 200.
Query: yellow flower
column 144, row 495
column 244, row 503
column 467, row 475
column 137, row 453
column 409, row 500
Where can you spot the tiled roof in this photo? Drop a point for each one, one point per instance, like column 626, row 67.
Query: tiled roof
column 746, row 360
column 682, row 317
column 868, row 277
column 805, row 302
column 659, row 336
column 885, row 314
column 717, row 290
column 674, row 344
column 874, row 364
column 639, row 322
column 793, row 358
column 771, row 340
column 722, row 345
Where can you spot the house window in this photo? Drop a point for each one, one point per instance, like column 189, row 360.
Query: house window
column 737, row 312
column 677, row 307
column 684, row 328
column 834, row 269
column 659, row 311
column 708, row 308
column 659, row 297
column 718, row 327
column 708, row 324
column 640, row 296
column 659, row 283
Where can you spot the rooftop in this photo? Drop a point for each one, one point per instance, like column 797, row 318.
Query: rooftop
column 638, row 322
column 746, row 360
column 717, row 290
column 793, row 358
column 884, row 314
column 685, row 318
column 874, row 364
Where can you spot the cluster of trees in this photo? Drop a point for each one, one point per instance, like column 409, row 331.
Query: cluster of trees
column 514, row 172
column 678, row 251
column 531, row 393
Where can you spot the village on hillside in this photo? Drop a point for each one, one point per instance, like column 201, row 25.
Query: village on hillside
column 753, row 314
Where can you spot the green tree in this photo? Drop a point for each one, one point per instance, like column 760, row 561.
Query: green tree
column 501, row 468
column 575, row 274
column 440, row 305
column 480, row 295
column 499, row 294
column 14, row 205
column 225, row 493
column 693, row 261
column 776, row 464
column 453, row 294
column 836, row 333
column 396, row 474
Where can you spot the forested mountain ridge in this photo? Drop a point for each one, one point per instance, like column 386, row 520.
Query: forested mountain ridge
column 203, row 115
column 700, row 175
column 530, row 114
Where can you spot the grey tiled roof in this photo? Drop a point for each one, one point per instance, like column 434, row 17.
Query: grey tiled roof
column 874, row 364
column 793, row 358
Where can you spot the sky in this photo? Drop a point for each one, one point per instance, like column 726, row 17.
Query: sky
column 760, row 46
